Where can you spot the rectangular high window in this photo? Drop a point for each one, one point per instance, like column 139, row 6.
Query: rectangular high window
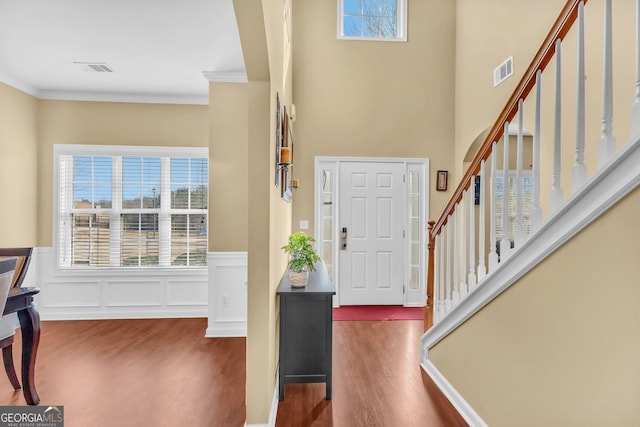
column 131, row 206
column 372, row 19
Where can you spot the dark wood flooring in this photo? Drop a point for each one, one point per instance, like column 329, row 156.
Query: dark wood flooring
column 377, row 382
column 163, row 372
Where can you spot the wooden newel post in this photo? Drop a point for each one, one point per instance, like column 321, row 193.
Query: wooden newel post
column 428, row 309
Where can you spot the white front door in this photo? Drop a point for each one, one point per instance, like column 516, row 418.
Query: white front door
column 371, row 210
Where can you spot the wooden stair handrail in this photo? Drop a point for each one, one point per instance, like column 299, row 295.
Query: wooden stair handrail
column 560, row 28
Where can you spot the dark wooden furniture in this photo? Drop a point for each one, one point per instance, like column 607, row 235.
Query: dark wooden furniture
column 306, row 318
column 9, row 324
column 20, row 301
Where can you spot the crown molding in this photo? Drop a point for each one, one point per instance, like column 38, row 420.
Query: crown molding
column 17, row 84
column 226, row 76
column 141, row 98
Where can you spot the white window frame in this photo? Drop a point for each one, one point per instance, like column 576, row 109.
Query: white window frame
column 164, row 218
column 401, row 24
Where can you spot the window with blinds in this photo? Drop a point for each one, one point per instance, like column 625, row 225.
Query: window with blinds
column 132, row 210
column 527, row 202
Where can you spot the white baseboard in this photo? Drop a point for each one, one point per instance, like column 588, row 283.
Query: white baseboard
column 218, row 331
column 458, row 402
column 274, row 409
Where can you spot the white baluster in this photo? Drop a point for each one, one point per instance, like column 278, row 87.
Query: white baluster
column 482, row 269
column 505, row 244
column 472, row 282
column 451, row 293
column 607, row 144
column 579, row 168
column 439, row 283
column 556, row 197
column 456, row 268
column 447, row 253
column 519, row 225
column 536, row 212
column 463, row 249
column 635, row 105
column 493, row 256
column 441, row 273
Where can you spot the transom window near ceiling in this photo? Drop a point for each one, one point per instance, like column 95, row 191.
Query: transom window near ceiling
column 372, row 19
column 132, row 207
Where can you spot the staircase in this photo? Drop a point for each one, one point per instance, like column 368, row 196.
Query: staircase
column 517, row 284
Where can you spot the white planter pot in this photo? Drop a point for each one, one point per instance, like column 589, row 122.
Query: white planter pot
column 298, row 279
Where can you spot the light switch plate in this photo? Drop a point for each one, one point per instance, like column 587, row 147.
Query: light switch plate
column 304, row 224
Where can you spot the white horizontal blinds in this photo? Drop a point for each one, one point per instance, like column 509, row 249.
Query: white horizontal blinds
column 132, row 211
column 189, row 190
column 89, row 218
column 527, row 203
column 139, row 232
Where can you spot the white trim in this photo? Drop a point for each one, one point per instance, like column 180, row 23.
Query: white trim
column 141, row 98
column 464, row 409
column 228, row 280
column 128, row 150
column 273, row 413
column 19, row 85
column 226, row 76
column 619, row 177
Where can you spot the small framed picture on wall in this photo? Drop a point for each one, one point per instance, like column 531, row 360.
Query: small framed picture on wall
column 441, row 182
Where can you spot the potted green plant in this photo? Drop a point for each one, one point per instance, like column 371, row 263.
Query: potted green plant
column 302, row 258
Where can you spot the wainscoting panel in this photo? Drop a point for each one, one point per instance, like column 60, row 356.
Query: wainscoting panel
column 183, row 292
column 132, row 293
column 227, row 294
column 115, row 294
column 79, row 294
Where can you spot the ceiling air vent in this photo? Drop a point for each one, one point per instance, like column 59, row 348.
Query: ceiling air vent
column 503, row 71
column 95, row 67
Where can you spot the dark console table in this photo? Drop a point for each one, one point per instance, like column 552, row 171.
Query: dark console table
column 306, row 330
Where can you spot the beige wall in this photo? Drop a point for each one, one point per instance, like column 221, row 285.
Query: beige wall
column 18, row 168
column 108, row 123
column 487, row 33
column 559, row 347
column 267, row 50
column 372, row 99
column 228, row 151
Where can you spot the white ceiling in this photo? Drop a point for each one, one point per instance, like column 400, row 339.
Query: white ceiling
column 159, row 49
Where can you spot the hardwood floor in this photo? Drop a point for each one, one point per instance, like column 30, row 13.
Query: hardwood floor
column 137, row 373
column 163, row 372
column 377, row 382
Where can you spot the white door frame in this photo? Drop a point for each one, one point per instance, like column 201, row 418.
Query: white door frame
column 412, row 297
